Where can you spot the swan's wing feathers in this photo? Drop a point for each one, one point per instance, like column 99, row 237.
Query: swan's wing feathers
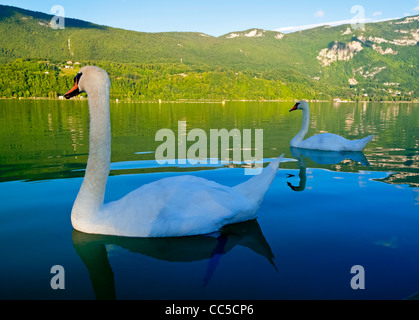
column 326, row 138
column 333, row 142
column 185, row 205
column 198, row 207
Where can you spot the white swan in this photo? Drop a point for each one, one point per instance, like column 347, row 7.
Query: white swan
column 324, row 141
column 170, row 207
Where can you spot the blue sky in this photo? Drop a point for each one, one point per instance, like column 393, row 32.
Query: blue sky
column 217, row 17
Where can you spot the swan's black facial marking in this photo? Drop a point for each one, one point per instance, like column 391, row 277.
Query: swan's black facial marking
column 295, row 107
column 75, row 90
column 77, row 77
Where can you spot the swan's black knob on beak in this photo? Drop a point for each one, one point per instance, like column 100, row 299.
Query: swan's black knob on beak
column 295, row 107
column 75, row 90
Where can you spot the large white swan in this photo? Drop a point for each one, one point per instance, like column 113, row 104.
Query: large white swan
column 323, row 141
column 170, row 207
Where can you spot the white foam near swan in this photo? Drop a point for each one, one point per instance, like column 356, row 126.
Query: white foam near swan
column 170, row 207
column 323, row 141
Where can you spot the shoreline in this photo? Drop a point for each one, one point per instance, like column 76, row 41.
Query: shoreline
column 203, row 100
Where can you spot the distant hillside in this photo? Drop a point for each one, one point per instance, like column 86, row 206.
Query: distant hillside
column 380, row 62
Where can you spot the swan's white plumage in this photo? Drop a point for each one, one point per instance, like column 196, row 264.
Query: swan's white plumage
column 323, row 141
column 170, row 207
column 179, row 206
column 331, row 142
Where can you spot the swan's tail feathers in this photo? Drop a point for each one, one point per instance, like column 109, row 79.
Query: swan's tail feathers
column 256, row 187
column 363, row 142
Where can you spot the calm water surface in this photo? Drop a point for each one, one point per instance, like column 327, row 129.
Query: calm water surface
column 324, row 213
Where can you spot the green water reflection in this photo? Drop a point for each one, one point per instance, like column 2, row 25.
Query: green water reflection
column 49, row 139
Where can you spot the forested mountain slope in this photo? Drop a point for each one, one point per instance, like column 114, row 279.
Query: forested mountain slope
column 378, row 63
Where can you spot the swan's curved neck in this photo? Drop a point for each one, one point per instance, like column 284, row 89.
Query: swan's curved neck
column 92, row 192
column 304, row 128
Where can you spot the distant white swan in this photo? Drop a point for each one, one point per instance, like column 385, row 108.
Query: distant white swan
column 324, row 141
column 170, row 207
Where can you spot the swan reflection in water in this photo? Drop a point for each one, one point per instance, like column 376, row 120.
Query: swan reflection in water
column 322, row 157
column 91, row 248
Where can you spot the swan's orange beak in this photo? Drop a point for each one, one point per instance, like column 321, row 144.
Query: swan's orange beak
column 75, row 90
column 295, row 107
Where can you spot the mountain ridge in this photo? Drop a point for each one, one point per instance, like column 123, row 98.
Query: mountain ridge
column 326, row 62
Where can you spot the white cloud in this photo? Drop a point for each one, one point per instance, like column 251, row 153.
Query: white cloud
column 310, row 26
column 416, row 8
column 319, row 14
column 377, row 13
column 290, row 29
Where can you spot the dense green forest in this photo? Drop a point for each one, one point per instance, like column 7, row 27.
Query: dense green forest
column 324, row 63
column 28, row 78
column 145, row 82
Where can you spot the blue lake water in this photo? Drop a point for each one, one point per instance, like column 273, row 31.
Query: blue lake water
column 322, row 215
